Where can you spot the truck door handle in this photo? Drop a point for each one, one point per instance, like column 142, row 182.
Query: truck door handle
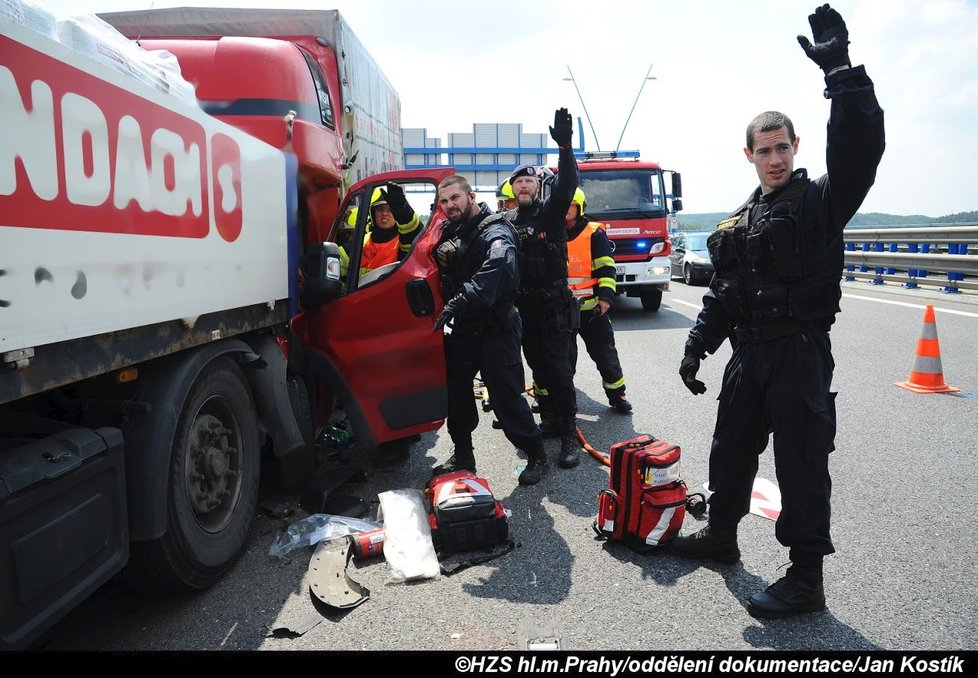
column 420, row 298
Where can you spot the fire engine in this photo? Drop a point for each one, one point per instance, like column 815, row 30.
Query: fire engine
column 629, row 195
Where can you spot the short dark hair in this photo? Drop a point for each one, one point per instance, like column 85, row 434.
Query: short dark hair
column 458, row 179
column 766, row 122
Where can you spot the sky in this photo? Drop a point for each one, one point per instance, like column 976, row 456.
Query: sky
column 716, row 65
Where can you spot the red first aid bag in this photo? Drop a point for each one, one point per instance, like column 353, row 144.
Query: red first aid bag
column 465, row 515
column 645, row 503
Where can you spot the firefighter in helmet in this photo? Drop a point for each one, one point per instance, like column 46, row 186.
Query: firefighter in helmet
column 591, row 277
column 505, row 200
column 392, row 227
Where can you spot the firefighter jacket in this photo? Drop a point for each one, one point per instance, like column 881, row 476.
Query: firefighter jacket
column 382, row 246
column 478, row 259
column 543, row 235
column 779, row 257
column 590, row 266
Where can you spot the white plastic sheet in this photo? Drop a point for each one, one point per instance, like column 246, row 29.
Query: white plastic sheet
column 408, row 547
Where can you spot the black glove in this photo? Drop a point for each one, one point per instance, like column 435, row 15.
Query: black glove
column 452, row 306
column 687, row 370
column 563, row 128
column 402, row 211
column 831, row 48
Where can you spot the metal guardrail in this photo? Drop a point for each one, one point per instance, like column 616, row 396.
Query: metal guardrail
column 917, row 261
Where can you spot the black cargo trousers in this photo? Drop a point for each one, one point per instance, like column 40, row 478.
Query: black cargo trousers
column 549, row 325
column 494, row 350
column 778, row 386
column 599, row 341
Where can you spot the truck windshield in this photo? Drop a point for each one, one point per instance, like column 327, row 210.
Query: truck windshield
column 623, row 194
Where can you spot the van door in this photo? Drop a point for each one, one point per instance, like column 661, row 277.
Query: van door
column 377, row 337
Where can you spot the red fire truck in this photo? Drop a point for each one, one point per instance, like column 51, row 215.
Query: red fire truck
column 630, row 196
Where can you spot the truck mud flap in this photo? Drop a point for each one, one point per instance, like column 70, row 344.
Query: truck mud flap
column 63, row 527
column 270, row 387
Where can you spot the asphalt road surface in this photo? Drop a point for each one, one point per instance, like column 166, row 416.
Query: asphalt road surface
column 904, row 522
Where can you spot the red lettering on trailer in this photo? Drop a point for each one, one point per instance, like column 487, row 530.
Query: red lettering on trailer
column 226, row 180
column 78, row 153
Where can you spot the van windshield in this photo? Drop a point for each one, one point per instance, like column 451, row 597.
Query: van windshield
column 623, row 194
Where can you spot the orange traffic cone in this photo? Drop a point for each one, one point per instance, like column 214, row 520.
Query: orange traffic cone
column 927, row 375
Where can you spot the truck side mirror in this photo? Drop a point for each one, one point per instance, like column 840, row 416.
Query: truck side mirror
column 677, row 204
column 320, row 275
column 677, row 185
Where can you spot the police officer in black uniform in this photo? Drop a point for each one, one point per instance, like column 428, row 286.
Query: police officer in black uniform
column 476, row 255
column 550, row 312
column 775, row 293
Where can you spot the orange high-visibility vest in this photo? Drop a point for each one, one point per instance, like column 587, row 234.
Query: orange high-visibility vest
column 579, row 261
column 377, row 254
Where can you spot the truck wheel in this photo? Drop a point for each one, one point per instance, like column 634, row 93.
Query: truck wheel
column 651, row 300
column 688, row 274
column 293, row 471
column 212, row 486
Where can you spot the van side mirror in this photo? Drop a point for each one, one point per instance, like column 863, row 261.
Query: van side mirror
column 320, row 275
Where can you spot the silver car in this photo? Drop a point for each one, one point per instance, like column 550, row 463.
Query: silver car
column 690, row 258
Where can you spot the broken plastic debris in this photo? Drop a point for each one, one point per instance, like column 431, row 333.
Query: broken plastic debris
column 296, row 628
column 316, row 528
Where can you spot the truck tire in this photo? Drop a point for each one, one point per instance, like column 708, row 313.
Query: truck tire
column 293, row 471
column 651, row 300
column 212, row 484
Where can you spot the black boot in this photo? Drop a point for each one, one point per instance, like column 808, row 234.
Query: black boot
column 708, row 544
column 549, row 425
column 620, row 403
column 536, row 466
column 800, row 590
column 462, row 459
column 570, row 447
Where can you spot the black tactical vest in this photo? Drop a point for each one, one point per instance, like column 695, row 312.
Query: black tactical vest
column 774, row 264
column 458, row 260
column 542, row 261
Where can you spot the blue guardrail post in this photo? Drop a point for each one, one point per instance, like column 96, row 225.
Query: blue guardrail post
column 849, row 277
column 911, row 284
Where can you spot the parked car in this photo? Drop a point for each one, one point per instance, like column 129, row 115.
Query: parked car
column 690, row 258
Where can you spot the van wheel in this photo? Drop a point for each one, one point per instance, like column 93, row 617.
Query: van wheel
column 212, row 488
column 651, row 300
column 688, row 274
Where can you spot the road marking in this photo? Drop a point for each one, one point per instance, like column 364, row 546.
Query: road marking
column 909, row 305
column 938, row 309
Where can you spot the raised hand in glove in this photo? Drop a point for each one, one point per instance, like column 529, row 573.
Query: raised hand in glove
column 831, row 48
column 402, row 211
column 687, row 370
column 563, row 128
column 452, row 306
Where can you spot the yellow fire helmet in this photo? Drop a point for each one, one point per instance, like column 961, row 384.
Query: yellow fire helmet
column 579, row 200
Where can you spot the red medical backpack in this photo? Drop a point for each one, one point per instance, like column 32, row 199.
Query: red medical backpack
column 645, row 503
